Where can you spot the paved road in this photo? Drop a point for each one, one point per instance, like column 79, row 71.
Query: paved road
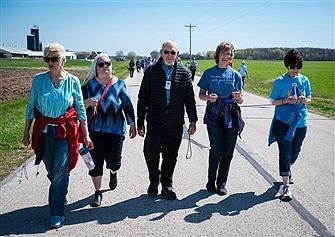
column 251, row 208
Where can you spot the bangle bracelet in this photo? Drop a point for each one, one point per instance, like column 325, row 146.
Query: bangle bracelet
column 282, row 101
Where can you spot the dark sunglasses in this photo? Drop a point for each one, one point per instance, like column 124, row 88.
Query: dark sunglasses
column 52, row 59
column 170, row 52
column 296, row 65
column 102, row 64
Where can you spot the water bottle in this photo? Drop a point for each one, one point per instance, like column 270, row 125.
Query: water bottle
column 85, row 154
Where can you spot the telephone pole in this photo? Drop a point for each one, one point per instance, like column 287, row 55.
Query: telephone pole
column 190, row 26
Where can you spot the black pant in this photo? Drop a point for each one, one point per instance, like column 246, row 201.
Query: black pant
column 163, row 139
column 193, row 74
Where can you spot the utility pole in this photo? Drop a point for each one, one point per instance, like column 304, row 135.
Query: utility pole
column 190, row 26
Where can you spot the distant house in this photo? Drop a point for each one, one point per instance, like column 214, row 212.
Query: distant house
column 19, row 52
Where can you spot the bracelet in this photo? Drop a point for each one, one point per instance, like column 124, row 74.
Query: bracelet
column 282, row 101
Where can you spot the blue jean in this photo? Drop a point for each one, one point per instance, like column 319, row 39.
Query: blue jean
column 222, row 142
column 56, row 160
column 288, row 151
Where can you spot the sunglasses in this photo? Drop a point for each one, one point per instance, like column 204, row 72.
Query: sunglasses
column 228, row 53
column 52, row 59
column 296, row 65
column 170, row 52
column 102, row 64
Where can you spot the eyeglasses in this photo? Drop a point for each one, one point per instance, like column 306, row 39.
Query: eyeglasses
column 52, row 59
column 170, row 52
column 295, row 65
column 102, row 64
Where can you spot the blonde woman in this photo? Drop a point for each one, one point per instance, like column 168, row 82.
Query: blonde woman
column 56, row 104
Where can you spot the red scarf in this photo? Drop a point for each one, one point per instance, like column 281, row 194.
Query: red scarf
column 70, row 130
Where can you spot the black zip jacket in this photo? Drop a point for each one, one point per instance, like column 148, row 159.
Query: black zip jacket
column 152, row 104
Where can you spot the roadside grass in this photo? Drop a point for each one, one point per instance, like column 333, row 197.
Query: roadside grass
column 261, row 75
column 12, row 153
column 259, row 81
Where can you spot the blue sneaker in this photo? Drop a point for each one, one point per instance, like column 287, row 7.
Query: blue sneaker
column 57, row 222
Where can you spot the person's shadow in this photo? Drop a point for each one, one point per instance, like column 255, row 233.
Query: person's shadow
column 233, row 204
column 34, row 220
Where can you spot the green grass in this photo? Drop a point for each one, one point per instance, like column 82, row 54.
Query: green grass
column 260, row 80
column 261, row 75
column 12, row 152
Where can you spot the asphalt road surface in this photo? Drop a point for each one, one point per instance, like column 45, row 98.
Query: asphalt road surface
column 251, row 208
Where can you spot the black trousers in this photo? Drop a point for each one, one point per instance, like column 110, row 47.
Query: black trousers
column 163, row 139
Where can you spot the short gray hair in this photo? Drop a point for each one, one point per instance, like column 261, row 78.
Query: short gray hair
column 56, row 48
column 170, row 42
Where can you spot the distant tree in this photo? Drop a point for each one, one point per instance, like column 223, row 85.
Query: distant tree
column 154, row 55
column 131, row 55
column 278, row 54
column 210, row 54
column 119, row 53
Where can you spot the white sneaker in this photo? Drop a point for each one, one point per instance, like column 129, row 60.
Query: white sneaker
column 287, row 195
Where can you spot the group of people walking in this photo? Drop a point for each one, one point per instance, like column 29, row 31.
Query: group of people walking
column 103, row 107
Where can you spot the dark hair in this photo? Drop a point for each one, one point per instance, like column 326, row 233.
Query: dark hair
column 293, row 57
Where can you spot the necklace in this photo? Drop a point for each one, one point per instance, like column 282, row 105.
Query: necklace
column 56, row 80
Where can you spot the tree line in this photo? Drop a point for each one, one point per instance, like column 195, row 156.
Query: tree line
column 310, row 54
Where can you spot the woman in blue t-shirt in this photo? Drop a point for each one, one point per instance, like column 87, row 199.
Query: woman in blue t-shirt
column 290, row 94
column 221, row 87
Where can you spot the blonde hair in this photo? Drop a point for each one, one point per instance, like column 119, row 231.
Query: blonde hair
column 92, row 72
column 55, row 48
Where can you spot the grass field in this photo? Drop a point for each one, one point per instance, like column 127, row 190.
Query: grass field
column 261, row 75
column 259, row 81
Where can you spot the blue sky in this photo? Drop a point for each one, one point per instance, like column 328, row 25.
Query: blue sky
column 142, row 26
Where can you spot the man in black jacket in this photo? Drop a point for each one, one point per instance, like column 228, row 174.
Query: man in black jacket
column 166, row 90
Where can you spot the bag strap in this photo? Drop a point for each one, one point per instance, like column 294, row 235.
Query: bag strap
column 102, row 96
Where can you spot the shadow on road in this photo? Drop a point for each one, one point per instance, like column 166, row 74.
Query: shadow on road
column 233, row 204
column 34, row 220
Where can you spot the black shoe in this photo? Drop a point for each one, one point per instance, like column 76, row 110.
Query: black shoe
column 112, row 181
column 168, row 193
column 211, row 187
column 222, row 190
column 291, row 181
column 153, row 189
column 97, row 199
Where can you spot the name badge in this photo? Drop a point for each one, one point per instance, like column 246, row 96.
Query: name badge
column 168, row 85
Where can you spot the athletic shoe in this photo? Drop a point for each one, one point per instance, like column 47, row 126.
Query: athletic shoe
column 287, row 195
column 57, row 222
column 222, row 190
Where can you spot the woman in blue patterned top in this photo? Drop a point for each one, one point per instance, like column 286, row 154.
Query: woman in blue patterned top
column 290, row 94
column 56, row 104
column 109, row 109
